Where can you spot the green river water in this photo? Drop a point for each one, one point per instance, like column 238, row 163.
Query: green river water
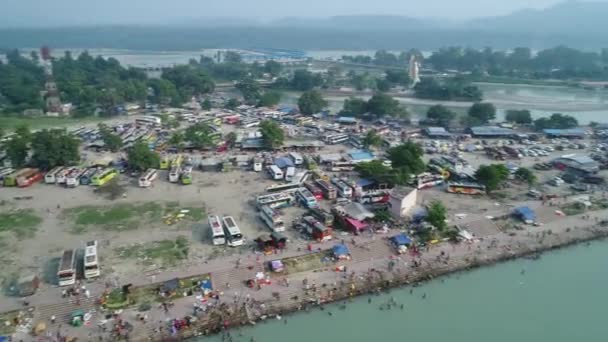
column 560, row 297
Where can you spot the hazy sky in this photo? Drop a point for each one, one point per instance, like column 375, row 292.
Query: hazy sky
column 78, row 12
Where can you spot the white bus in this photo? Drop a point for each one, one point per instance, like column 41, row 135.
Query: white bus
column 174, row 174
column 72, row 180
column 250, row 123
column 91, row 260
column 62, row 176
column 297, row 158
column 344, row 190
column 290, row 173
column 257, row 164
column 148, row 178
column 148, row 120
column 333, row 139
column 272, row 218
column 67, row 268
column 217, row 232
column 275, row 172
column 278, row 200
column 233, row 233
column 50, row 177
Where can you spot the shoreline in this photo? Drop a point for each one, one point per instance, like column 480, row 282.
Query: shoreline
column 243, row 314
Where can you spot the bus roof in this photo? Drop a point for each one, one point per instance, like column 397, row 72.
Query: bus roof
column 67, row 260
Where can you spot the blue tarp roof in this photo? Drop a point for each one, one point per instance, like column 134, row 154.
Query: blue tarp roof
column 340, row 249
column 565, row 132
column 363, row 182
column 361, row 155
column 491, row 131
column 401, row 239
column 346, row 119
column 525, row 213
column 283, row 162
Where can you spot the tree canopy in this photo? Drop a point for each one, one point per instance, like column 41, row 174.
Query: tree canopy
column 55, row 147
column 201, row 136
column 112, row 141
column 556, row 121
column 436, row 215
column 381, row 173
column 526, row 175
column 272, row 134
column 311, row 102
column 354, row 106
column 380, row 105
column 492, row 176
column 481, row 113
column 372, row 139
column 141, row 158
column 522, row 117
column 440, row 115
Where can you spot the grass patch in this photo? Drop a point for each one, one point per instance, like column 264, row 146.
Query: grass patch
column 575, row 208
column 23, row 223
column 9, row 123
column 164, row 252
column 8, row 317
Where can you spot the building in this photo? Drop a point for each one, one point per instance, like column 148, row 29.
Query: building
column 437, row 133
column 346, row 120
column 572, row 133
column 490, row 132
column 401, row 201
column 578, row 163
column 360, row 156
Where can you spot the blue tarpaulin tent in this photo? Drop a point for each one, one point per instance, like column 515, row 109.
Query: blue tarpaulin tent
column 340, row 250
column 401, row 240
column 283, row 162
column 525, row 214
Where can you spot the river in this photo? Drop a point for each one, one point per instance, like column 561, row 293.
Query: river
column 557, row 298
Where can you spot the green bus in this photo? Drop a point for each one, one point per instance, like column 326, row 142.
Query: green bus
column 101, row 178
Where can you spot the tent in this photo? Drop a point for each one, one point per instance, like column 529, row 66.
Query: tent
column 283, row 162
column 525, row 214
column 276, row 266
column 401, row 240
column 340, row 251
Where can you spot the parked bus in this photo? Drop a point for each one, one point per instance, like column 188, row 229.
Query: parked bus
column 290, row 172
column 344, row 190
column 233, row 233
column 314, row 190
column 11, row 179
column 102, row 177
column 272, row 218
column 218, row 236
column 165, row 162
column 283, row 187
column 278, row 200
column 4, row 173
column 67, row 268
column 174, row 174
column 91, row 261
column 211, row 121
column 466, row 188
column 250, row 123
column 334, row 139
column 297, row 158
column 28, row 178
column 186, row 176
column 341, row 166
column 148, row 121
column 148, row 178
column 275, row 172
column 50, row 177
column 306, row 198
column 323, row 216
column 72, row 180
column 257, row 164
column 329, row 191
column 62, row 176
column 178, row 161
column 301, row 177
column 87, row 176
column 316, row 229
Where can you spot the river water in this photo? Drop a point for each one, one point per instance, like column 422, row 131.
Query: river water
column 557, row 298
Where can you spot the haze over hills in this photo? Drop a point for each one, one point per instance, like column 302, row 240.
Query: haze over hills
column 572, row 23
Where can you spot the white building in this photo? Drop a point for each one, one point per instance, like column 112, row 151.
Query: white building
column 402, row 201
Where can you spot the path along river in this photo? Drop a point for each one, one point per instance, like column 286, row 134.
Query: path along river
column 560, row 297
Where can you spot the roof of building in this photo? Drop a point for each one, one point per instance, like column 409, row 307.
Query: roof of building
column 437, row 131
column 525, row 213
column 582, row 160
column 346, row 119
column 340, row 249
column 579, row 131
column 356, row 210
column 491, row 130
column 360, row 155
column 255, row 143
column 283, row 162
column 401, row 191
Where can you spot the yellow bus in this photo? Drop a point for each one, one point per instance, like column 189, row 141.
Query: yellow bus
column 165, row 162
column 212, row 121
column 101, row 178
column 177, row 162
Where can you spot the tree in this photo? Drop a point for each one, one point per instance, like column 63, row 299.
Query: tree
column 200, row 135
column 311, row 102
column 269, row 99
column 372, row 138
column 231, row 139
column 141, row 158
column 304, row 80
column 492, row 176
column 436, row 215
column 273, row 68
column 407, row 159
column 232, row 57
column 177, row 140
column 23, row 131
column 354, row 106
column 400, row 77
column 522, row 117
column 482, row 112
column 382, row 174
column 441, row 115
column 250, row 90
column 383, row 85
column 272, row 134
column 232, row 103
column 381, row 104
column 526, row 175
column 111, row 141
column 17, row 151
column 55, row 147
column 206, row 105
column 556, row 121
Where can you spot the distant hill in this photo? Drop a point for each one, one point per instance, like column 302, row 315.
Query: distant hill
column 570, row 17
column 360, row 22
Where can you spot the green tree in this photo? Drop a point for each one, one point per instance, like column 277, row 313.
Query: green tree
column 111, row 141
column 354, row 106
column 17, row 151
column 232, row 57
column 526, row 175
column 232, row 103
column 55, row 147
column 231, row 139
column 556, row 121
column 23, row 131
column 492, row 176
column 206, row 105
column 304, row 80
column 407, row 159
column 400, row 77
column 441, row 115
column 372, row 139
column 201, row 136
column 383, row 174
column 311, row 102
column 482, row 112
column 250, row 90
column 177, row 140
column 436, row 215
column 382, row 104
column 269, row 99
column 274, row 68
column 383, row 85
column 522, row 117
column 141, row 158
column 272, row 134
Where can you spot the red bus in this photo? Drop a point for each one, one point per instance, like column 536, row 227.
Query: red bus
column 28, row 178
column 314, row 190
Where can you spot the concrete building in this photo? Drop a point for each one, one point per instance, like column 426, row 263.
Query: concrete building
column 401, row 201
